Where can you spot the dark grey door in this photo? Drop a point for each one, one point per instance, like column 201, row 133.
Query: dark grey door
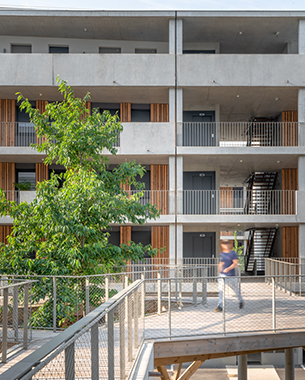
column 198, row 244
column 199, row 128
column 198, row 197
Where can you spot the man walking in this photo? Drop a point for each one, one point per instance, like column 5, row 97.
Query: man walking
column 226, row 268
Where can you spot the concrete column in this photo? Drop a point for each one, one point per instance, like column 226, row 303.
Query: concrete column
column 172, row 175
column 242, row 367
column 179, row 185
column 179, row 39
column 179, row 115
column 179, row 242
column 172, row 244
column 171, row 37
column 289, row 364
column 171, row 105
column 301, row 116
column 301, row 36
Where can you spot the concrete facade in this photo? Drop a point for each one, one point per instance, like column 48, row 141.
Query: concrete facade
column 217, row 62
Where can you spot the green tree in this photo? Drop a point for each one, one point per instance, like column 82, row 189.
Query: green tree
column 66, row 226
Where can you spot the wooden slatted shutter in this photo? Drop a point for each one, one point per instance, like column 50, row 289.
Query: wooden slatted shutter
column 5, row 231
column 41, row 106
column 125, row 234
column 290, row 234
column 125, row 112
column 159, row 185
column 160, row 239
column 42, row 172
column 7, row 122
column 159, row 113
column 289, row 131
column 7, row 179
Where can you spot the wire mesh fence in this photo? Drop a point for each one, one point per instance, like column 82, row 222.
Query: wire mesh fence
column 104, row 347
column 15, row 312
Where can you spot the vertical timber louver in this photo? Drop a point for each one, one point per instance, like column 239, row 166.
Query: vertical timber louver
column 290, row 234
column 42, row 172
column 289, row 131
column 5, row 230
column 159, row 185
column 125, row 234
column 7, row 179
column 7, row 122
column 159, row 113
column 125, row 112
column 226, row 201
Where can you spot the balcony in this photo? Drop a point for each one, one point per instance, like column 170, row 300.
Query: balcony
column 240, row 134
column 239, row 202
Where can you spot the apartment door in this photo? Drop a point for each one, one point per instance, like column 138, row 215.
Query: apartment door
column 199, row 195
column 199, row 128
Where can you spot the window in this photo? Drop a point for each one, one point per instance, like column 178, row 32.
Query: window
column 21, row 48
column 109, row 50
column 25, row 131
column 113, row 108
column 26, row 173
column 198, row 51
column 146, row 51
column 59, row 49
column 140, row 113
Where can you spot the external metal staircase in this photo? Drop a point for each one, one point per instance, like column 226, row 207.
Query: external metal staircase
column 260, row 240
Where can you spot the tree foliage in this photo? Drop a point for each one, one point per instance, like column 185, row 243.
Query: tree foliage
column 66, row 226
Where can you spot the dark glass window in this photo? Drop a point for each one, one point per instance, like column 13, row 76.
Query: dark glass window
column 59, row 49
column 109, row 50
column 113, row 108
column 146, row 51
column 198, row 51
column 140, row 113
column 21, row 48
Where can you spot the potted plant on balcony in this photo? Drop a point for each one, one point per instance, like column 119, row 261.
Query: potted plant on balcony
column 22, row 186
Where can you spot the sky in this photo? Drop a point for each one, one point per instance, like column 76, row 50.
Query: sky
column 158, row 4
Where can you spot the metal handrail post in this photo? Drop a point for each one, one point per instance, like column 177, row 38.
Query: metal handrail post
column 70, row 362
column 15, row 312
column 110, row 336
column 169, row 310
column 5, row 321
column 194, row 287
column 180, row 290
column 204, row 286
column 25, row 316
column 273, row 306
column 159, row 292
column 129, row 326
column 223, row 305
column 94, row 352
column 136, row 318
column 54, row 304
column 122, row 340
column 87, row 285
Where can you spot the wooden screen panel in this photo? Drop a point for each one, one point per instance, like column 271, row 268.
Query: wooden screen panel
column 159, row 113
column 159, row 185
column 42, row 172
column 125, row 234
column 160, row 239
column 7, row 122
column 125, row 112
column 41, row 106
column 289, row 131
column 5, row 231
column 289, row 182
column 291, row 241
column 226, row 197
column 7, row 179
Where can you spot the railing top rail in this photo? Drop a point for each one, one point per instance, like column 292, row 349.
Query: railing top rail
column 24, row 366
column 16, row 285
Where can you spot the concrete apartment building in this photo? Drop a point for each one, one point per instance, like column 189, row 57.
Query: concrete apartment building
column 212, row 104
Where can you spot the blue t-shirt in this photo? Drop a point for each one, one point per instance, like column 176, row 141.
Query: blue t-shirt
column 227, row 258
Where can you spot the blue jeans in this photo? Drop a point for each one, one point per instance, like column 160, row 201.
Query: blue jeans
column 230, row 281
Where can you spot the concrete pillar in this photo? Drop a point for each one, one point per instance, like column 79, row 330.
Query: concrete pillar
column 242, row 367
column 179, row 39
column 289, row 364
column 172, row 175
column 179, row 242
column 179, row 174
column 172, row 244
column 301, row 36
column 171, row 37
column 171, row 105
column 179, row 115
column 301, row 116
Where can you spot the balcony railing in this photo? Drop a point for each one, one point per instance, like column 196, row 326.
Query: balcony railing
column 22, row 134
column 240, row 134
column 159, row 198
column 239, row 202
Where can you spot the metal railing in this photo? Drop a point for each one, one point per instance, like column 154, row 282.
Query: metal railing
column 283, row 268
column 15, row 314
column 105, row 342
column 239, row 202
column 159, row 198
column 102, row 345
column 240, row 134
column 23, row 134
